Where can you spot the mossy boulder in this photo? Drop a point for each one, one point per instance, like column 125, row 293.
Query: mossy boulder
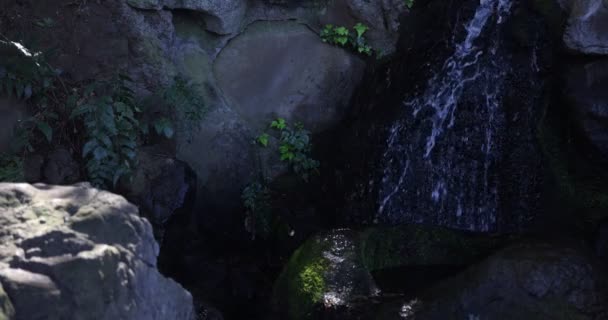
column 325, row 272
column 331, row 274
column 526, row 281
column 414, row 245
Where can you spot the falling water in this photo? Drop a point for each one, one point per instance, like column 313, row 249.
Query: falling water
column 438, row 161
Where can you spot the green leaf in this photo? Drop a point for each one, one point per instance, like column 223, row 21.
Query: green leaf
column 263, row 139
column 100, row 153
column 341, row 31
column 278, row 124
column 360, row 29
column 46, row 130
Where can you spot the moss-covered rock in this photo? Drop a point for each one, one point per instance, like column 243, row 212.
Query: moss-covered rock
column 332, row 272
column 325, row 272
column 526, row 281
column 414, row 245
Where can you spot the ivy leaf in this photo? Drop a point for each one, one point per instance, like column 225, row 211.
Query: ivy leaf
column 45, row 129
column 341, row 31
column 342, row 40
column 278, row 124
column 263, row 139
column 360, row 29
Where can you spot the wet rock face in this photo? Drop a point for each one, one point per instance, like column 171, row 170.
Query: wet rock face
column 336, row 274
column 585, row 91
column 587, row 30
column 529, row 281
column 79, row 253
column 456, row 143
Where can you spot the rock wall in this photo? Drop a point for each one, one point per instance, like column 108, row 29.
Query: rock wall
column 250, row 61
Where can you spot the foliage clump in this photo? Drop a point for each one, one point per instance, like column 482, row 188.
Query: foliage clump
column 294, row 148
column 102, row 119
column 343, row 37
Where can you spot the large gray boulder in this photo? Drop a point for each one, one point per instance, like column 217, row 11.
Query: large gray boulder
column 587, row 30
column 79, row 253
column 527, row 281
column 282, row 69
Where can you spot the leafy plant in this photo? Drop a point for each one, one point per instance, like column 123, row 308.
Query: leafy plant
column 256, row 199
column 263, row 139
column 112, row 130
column 27, row 77
column 341, row 36
column 294, row 147
column 409, row 3
column 102, row 119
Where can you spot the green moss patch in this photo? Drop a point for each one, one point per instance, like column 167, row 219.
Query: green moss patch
column 302, row 283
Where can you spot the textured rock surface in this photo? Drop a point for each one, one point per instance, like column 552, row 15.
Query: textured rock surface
column 160, row 185
column 61, row 168
column 281, row 69
column 79, row 253
column 381, row 16
column 587, row 30
column 531, row 281
column 221, row 16
column 585, row 90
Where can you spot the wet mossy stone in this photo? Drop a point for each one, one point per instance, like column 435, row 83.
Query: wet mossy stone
column 334, row 270
column 325, row 272
column 416, row 245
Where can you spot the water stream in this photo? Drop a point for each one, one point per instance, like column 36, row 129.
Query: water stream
column 440, row 158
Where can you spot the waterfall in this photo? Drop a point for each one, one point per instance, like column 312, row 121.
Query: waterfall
column 439, row 160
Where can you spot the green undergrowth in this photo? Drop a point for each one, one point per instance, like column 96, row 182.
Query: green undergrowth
column 101, row 120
